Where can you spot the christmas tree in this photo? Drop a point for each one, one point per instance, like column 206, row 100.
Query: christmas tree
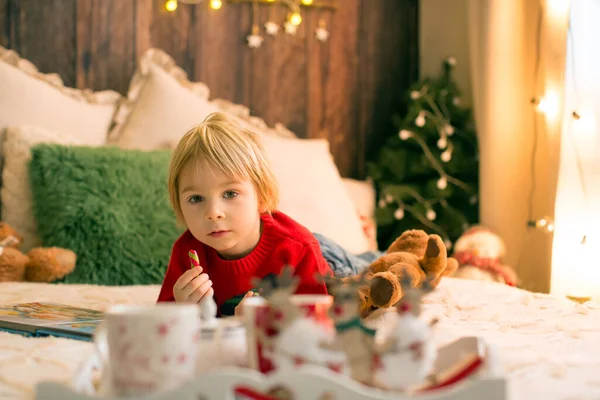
column 426, row 174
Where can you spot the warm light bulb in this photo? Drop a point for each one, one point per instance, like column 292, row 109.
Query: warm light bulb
column 442, row 183
column 549, row 104
column 430, row 214
column 296, row 19
column 307, row 2
column 420, row 120
column 216, row 4
column 404, row 134
column 558, row 8
column 446, row 156
column 584, row 121
column 399, row 213
column 545, row 224
column 171, row 5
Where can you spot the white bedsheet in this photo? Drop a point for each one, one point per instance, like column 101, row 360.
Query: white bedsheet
column 550, row 347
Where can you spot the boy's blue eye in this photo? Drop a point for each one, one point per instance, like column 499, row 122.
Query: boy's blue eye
column 230, row 194
column 195, row 199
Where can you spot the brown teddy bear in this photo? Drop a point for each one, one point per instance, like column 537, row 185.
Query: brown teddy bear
column 41, row 264
column 416, row 256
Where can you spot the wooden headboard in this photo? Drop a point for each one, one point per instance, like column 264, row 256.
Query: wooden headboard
column 345, row 89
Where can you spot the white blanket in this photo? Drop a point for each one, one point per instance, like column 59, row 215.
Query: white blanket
column 550, row 347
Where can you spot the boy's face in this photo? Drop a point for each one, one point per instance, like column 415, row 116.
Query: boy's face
column 219, row 211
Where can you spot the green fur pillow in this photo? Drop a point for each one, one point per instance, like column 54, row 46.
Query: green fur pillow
column 110, row 206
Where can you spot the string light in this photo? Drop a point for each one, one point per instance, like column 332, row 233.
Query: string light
column 446, row 156
column 171, row 5
column 442, row 183
column 545, row 224
column 442, row 143
column 584, row 120
column 399, row 213
column 435, row 115
column 295, row 19
column 307, row 2
column 404, row 134
column 549, row 104
column 558, row 8
column 216, row 4
column 430, row 214
column 420, row 120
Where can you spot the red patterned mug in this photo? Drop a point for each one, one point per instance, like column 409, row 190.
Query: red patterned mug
column 265, row 323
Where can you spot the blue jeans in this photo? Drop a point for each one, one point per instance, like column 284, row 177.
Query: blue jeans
column 342, row 262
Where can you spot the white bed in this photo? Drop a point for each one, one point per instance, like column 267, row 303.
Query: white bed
column 550, row 347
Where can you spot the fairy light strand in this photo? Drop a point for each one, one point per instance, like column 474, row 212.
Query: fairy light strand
column 441, row 121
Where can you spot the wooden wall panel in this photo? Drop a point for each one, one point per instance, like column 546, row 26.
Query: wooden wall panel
column 218, row 55
column 169, row 31
column 4, row 23
column 44, row 33
column 105, row 44
column 388, row 54
column 344, row 90
column 340, row 89
column 279, row 71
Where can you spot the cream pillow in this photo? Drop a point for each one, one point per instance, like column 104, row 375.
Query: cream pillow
column 17, row 201
column 312, row 191
column 362, row 195
column 161, row 106
column 29, row 97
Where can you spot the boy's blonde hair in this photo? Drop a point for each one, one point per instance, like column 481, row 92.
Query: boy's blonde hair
column 235, row 151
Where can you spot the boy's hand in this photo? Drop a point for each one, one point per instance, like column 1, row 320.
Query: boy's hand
column 192, row 286
column 238, row 308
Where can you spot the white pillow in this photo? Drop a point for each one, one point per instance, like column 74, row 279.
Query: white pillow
column 17, row 200
column 162, row 105
column 362, row 195
column 28, row 97
column 312, row 191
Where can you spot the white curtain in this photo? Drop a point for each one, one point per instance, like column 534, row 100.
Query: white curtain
column 503, row 49
column 576, row 266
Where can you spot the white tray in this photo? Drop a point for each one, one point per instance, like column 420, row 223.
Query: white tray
column 318, row 383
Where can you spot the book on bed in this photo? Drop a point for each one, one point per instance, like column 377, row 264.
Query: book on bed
column 50, row 319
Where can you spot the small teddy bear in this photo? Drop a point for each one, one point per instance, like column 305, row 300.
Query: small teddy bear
column 41, row 264
column 416, row 256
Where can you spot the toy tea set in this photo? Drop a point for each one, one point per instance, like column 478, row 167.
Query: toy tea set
column 285, row 346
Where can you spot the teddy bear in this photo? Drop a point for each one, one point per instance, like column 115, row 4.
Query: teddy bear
column 415, row 256
column 480, row 253
column 40, row 264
